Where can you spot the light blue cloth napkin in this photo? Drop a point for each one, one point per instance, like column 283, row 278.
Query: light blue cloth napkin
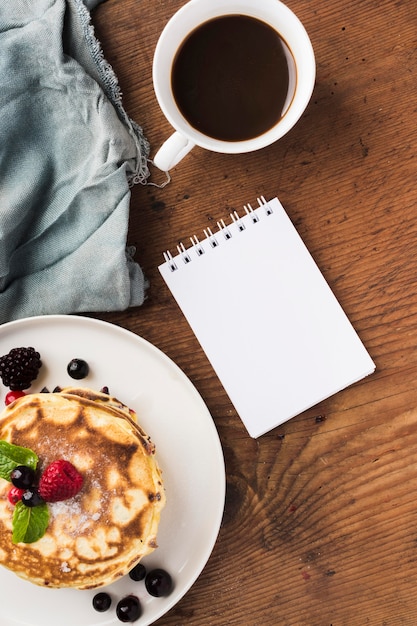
column 69, row 154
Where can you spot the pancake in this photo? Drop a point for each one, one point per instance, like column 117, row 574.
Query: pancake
column 105, row 399
column 98, row 535
column 101, row 398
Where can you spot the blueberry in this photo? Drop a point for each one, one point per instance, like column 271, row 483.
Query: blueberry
column 128, row 609
column 138, row 572
column 158, row 583
column 31, row 497
column 78, row 369
column 101, row 601
column 22, row 477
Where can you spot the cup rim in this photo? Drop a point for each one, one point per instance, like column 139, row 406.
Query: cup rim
column 196, row 12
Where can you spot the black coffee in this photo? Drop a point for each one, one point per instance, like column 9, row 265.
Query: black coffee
column 230, row 78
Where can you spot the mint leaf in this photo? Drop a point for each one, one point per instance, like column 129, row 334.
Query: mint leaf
column 11, row 456
column 29, row 523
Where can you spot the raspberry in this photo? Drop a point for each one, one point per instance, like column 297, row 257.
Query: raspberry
column 59, row 481
column 19, row 368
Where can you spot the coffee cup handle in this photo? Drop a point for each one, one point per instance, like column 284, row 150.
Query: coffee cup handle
column 172, row 151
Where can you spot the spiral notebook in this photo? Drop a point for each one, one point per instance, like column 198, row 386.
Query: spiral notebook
column 266, row 318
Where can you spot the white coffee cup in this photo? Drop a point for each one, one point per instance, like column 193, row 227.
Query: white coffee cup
column 185, row 21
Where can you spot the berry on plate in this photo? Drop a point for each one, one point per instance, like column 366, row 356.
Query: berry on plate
column 59, row 481
column 78, row 368
column 22, row 476
column 102, row 601
column 15, row 494
column 128, row 609
column 138, row 572
column 31, row 497
column 158, row 583
column 11, row 396
column 19, row 368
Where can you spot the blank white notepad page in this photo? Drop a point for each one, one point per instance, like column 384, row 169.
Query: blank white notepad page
column 267, row 320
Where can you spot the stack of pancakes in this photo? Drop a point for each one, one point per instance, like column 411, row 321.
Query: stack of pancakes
column 101, row 533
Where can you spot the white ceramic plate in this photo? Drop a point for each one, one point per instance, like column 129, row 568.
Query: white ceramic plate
column 188, row 451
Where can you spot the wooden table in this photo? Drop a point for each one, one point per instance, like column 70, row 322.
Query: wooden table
column 320, row 523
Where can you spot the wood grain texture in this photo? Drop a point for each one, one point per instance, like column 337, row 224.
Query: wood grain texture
column 320, row 523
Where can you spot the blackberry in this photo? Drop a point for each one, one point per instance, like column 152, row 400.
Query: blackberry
column 19, row 368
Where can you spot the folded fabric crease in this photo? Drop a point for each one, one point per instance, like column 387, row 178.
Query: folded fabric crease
column 69, row 154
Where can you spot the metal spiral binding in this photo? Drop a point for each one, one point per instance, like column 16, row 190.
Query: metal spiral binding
column 168, row 259
column 249, row 211
column 212, row 238
column 195, row 242
column 223, row 228
column 236, row 219
column 183, row 253
column 263, row 202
